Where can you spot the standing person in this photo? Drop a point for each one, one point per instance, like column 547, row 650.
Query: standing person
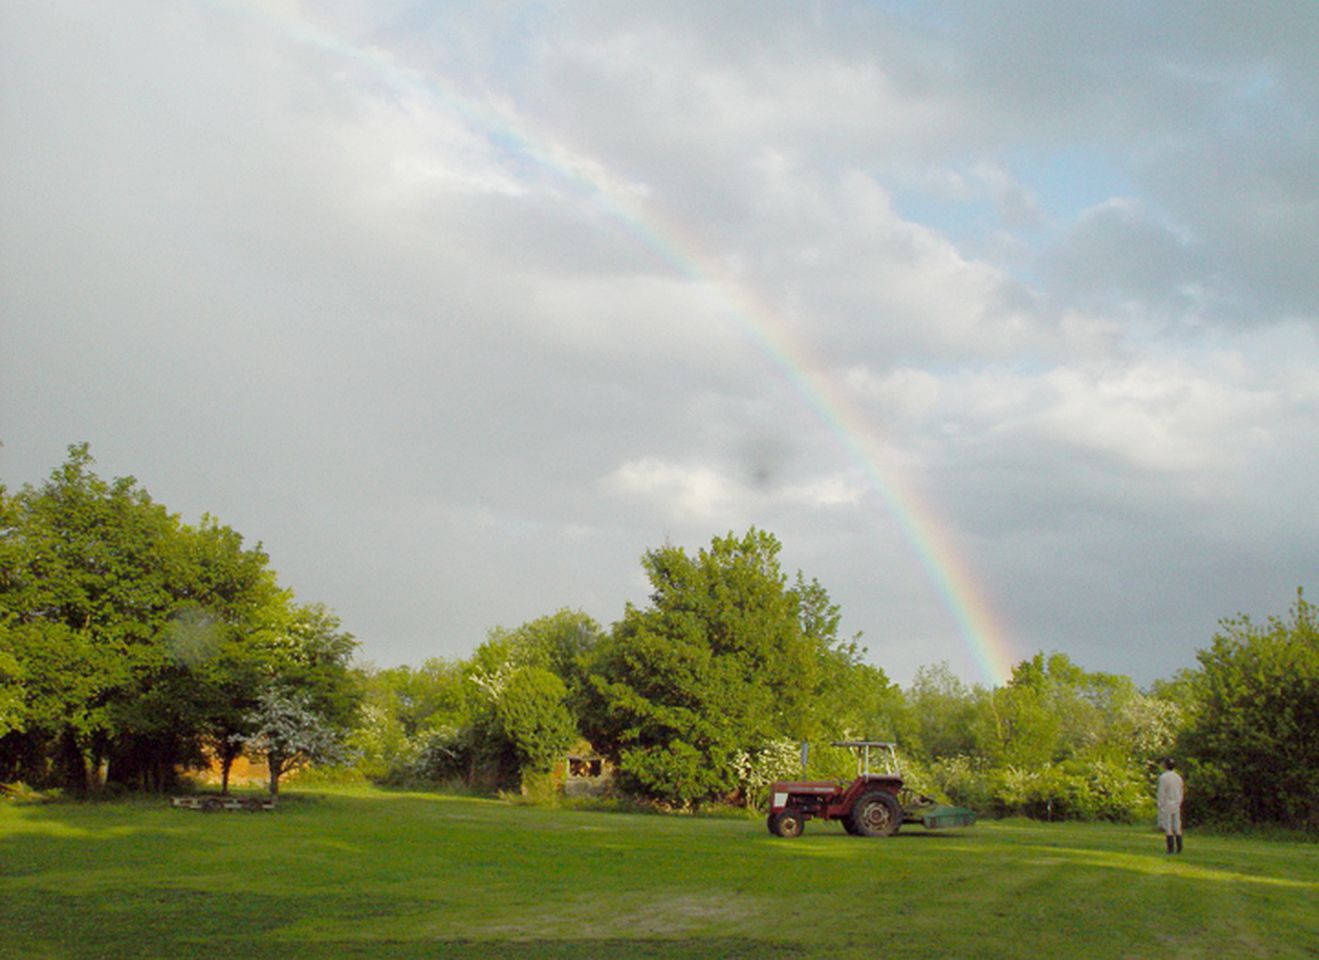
column 1171, row 792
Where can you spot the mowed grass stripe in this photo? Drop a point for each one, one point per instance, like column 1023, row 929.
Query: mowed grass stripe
column 380, row 874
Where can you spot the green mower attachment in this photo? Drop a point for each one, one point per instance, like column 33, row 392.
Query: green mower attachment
column 941, row 816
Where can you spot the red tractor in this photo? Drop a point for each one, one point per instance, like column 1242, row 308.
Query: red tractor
column 875, row 804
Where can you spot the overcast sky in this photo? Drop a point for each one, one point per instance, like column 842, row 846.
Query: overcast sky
column 458, row 308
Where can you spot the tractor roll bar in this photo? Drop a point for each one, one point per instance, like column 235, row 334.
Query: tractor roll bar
column 887, row 749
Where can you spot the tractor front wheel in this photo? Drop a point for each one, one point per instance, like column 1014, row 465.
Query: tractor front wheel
column 876, row 814
column 785, row 823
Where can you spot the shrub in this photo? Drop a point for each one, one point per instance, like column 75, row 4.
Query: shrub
column 21, row 793
column 676, row 775
column 757, row 769
column 1104, row 788
column 964, row 781
column 533, row 719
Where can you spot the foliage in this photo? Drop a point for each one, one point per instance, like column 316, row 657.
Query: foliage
column 1147, row 726
column 134, row 646
column 131, row 641
column 757, row 769
column 88, row 567
column 1051, row 710
column 1056, row 742
column 719, row 664
column 438, row 756
column 403, row 708
column 379, row 742
column 288, row 730
column 496, row 720
column 533, row 719
column 1106, row 786
column 938, row 715
column 560, row 643
column 1252, row 742
column 964, row 780
column 12, row 709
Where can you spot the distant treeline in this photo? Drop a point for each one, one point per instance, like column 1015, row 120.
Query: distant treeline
column 132, row 644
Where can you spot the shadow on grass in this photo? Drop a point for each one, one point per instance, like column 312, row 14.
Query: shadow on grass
column 726, row 948
column 1157, row 863
column 160, row 921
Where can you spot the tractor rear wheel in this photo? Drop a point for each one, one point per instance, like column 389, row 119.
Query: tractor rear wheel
column 876, row 814
column 785, row 823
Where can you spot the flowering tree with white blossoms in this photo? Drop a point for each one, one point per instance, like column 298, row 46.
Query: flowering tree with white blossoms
column 757, row 769
column 288, row 731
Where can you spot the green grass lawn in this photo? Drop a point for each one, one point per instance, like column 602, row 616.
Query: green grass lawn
column 366, row 873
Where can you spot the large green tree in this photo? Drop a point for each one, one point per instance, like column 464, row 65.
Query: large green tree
column 86, row 591
column 720, row 663
column 131, row 639
column 13, row 709
column 213, row 654
column 1252, row 742
column 1052, row 709
column 309, row 650
column 527, row 683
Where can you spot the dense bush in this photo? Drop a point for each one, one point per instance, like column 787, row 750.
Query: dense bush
column 533, row 719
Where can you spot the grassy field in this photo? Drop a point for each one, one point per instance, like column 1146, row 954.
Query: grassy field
column 365, row 873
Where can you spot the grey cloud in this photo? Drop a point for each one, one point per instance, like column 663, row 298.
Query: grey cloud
column 397, row 290
column 1117, row 254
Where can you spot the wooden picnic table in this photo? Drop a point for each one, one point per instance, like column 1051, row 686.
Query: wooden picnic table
column 214, row 803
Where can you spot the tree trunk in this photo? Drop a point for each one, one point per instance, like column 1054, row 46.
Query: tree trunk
column 275, row 763
column 73, row 759
column 97, row 754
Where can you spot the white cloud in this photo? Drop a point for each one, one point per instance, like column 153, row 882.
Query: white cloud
column 703, row 494
column 684, row 493
column 1159, row 418
column 833, row 491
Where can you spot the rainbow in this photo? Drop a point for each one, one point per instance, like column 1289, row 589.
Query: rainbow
column 761, row 323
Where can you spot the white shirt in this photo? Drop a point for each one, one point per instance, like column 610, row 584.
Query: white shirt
column 1171, row 791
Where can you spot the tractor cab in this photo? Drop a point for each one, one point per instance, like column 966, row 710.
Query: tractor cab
column 874, row 758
